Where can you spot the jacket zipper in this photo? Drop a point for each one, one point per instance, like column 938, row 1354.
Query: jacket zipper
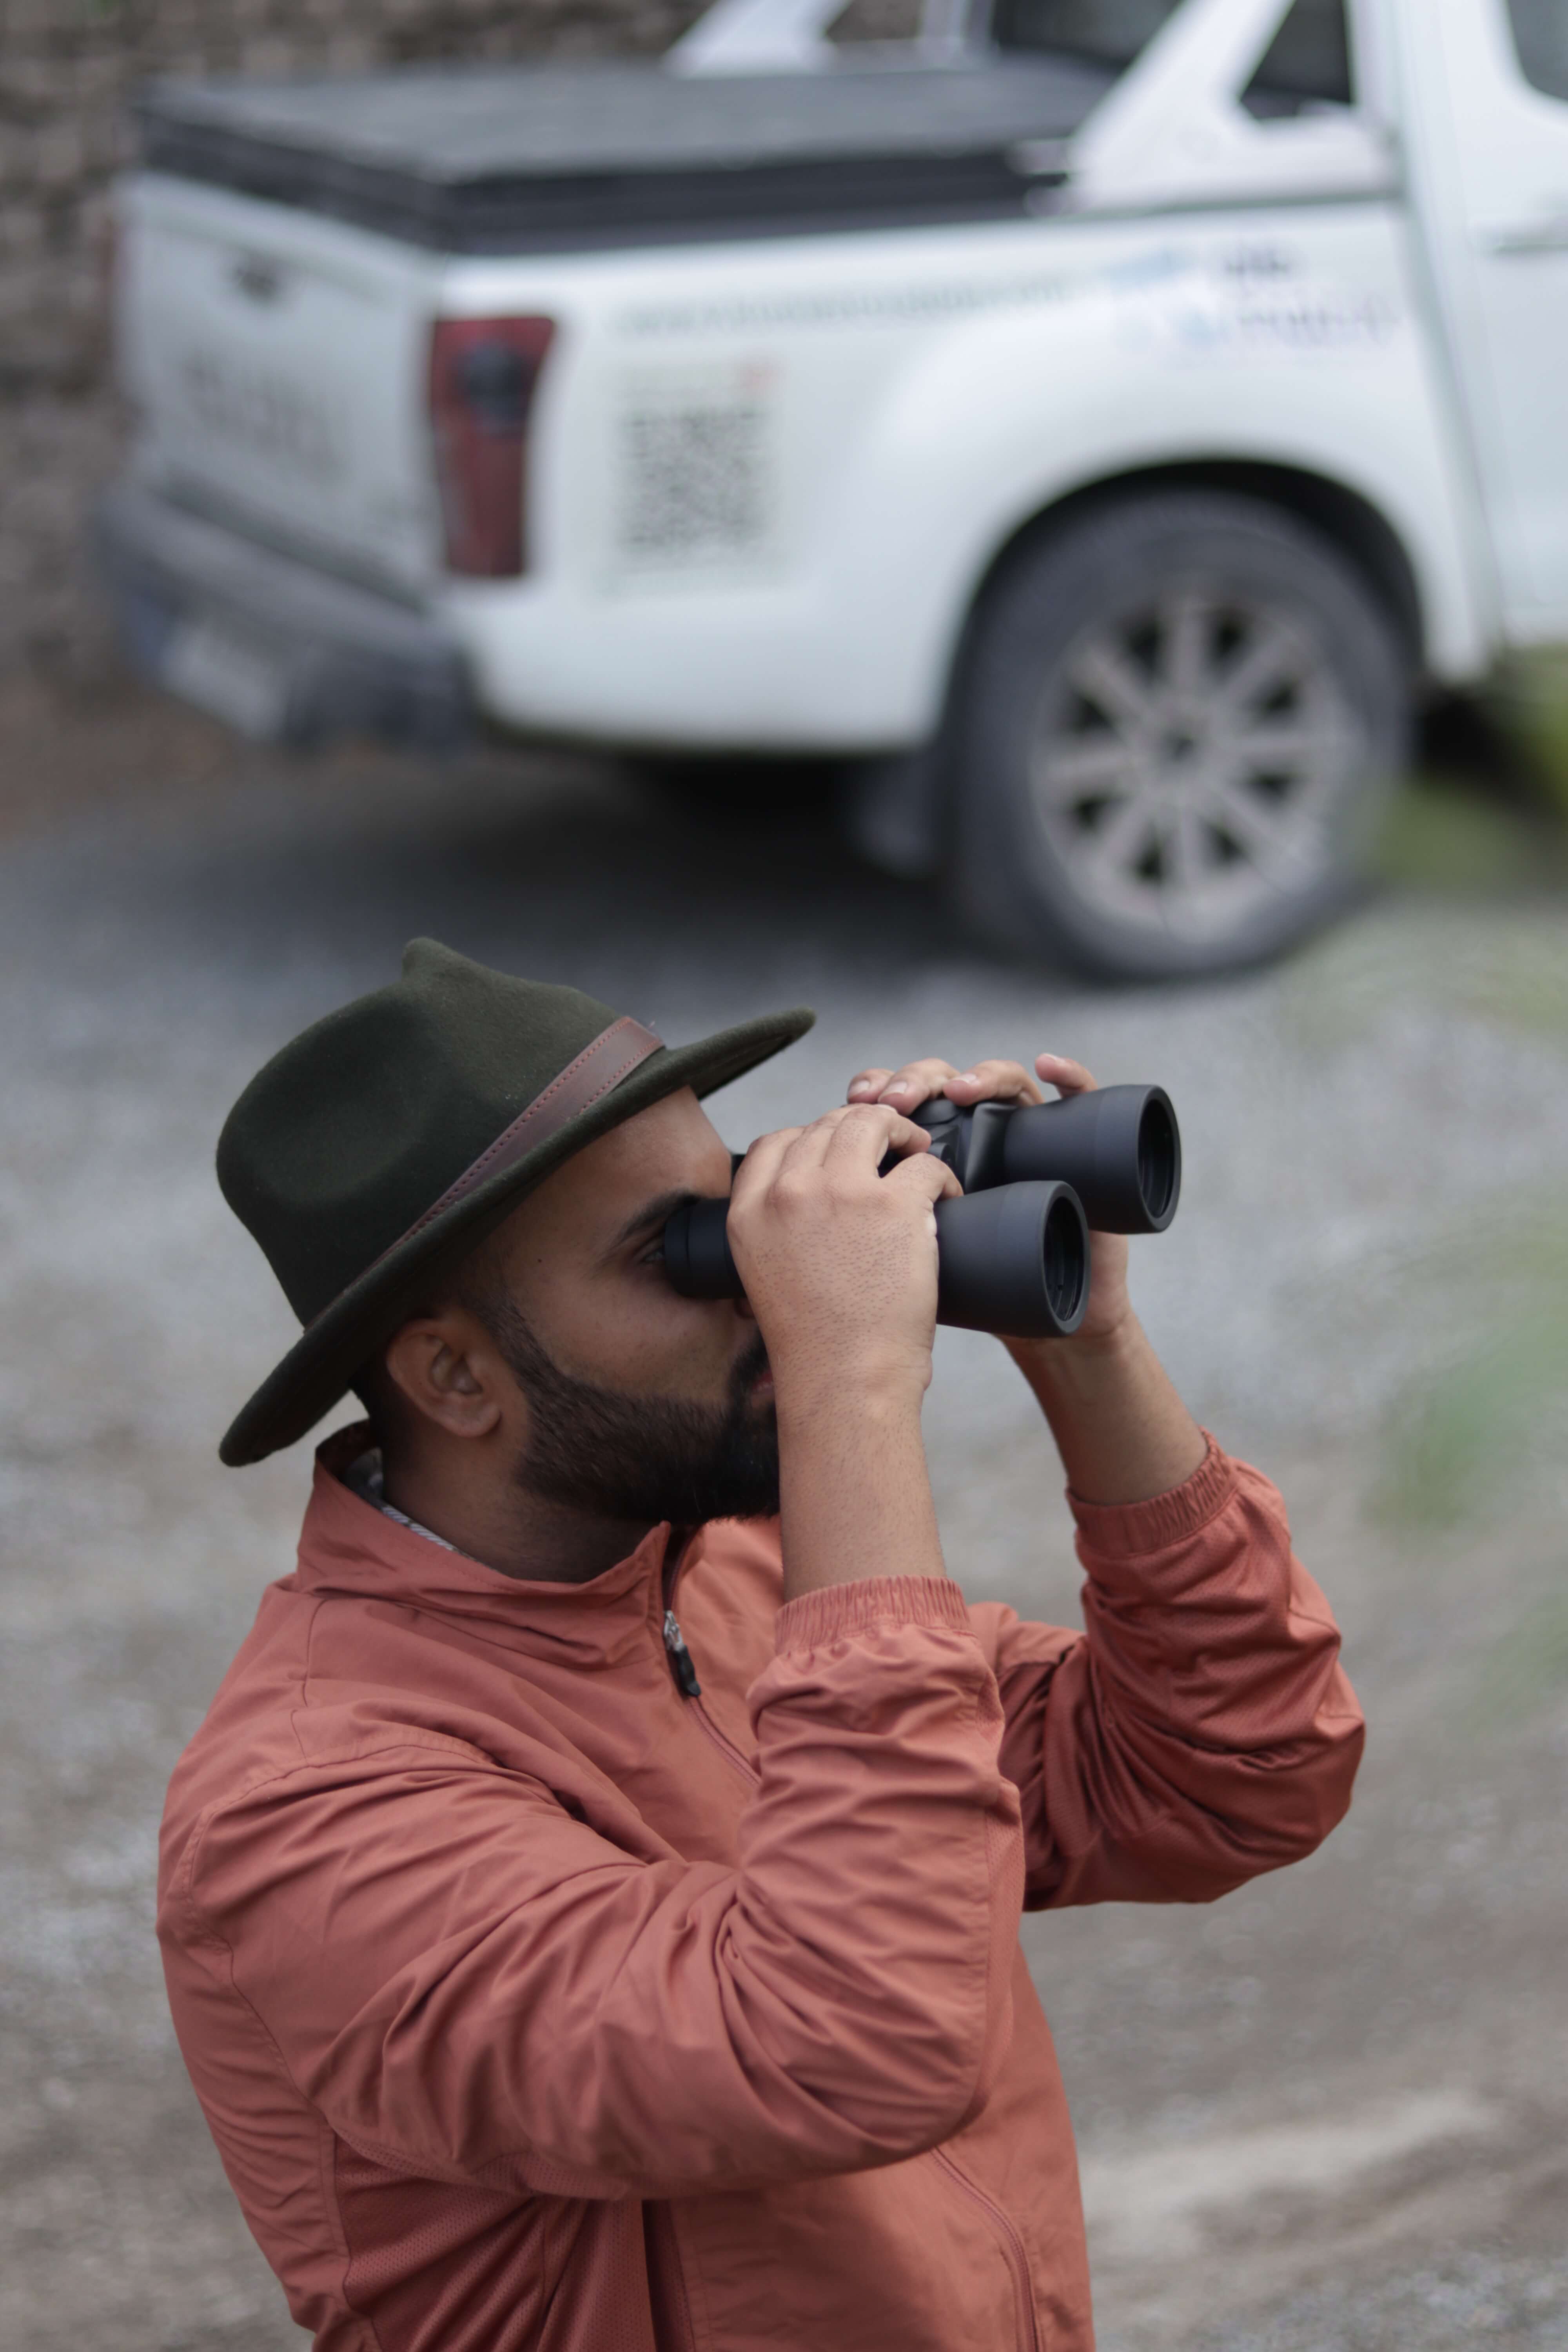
column 727, row 1747
column 681, row 1664
column 680, row 1661
column 1011, row 2246
column 684, row 1668
column 686, row 1681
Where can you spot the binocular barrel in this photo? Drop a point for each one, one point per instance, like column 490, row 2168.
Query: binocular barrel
column 1120, row 1149
column 1014, row 1261
column 1013, row 1255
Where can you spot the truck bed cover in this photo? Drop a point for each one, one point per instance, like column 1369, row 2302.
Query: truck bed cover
column 543, row 159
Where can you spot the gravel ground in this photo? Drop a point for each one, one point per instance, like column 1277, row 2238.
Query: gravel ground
column 1326, row 2115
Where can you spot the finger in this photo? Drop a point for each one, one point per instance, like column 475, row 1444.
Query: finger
column 868, row 1131
column 762, row 1162
column 867, row 1085
column 915, row 1083
column 1067, row 1077
column 994, row 1082
column 921, row 1173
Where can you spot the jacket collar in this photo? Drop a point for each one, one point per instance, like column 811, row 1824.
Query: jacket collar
column 348, row 1546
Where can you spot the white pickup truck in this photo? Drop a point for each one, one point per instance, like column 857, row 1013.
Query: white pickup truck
column 1093, row 429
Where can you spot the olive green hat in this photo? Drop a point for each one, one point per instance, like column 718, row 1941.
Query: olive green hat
column 381, row 1145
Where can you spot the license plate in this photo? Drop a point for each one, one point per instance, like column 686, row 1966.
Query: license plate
column 233, row 676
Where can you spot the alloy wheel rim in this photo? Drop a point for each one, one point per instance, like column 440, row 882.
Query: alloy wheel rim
column 1189, row 758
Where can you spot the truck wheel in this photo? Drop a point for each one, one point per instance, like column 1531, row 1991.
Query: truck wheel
column 1176, row 728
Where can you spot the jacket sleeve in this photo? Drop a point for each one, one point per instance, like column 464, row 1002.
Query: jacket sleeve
column 470, row 1984
column 1200, row 1731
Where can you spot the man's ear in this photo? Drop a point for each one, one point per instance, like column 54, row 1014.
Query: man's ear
column 448, row 1369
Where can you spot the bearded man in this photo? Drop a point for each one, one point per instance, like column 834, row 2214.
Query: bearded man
column 591, row 1904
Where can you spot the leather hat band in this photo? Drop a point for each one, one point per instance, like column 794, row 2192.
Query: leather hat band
column 614, row 1054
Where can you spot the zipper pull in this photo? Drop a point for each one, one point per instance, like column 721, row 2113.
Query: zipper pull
column 680, row 1657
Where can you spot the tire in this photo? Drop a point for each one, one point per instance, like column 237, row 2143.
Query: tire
column 1176, row 729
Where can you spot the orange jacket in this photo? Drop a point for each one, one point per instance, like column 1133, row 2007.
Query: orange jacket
column 536, row 2006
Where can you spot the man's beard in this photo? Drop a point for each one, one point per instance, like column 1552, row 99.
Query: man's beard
column 639, row 1458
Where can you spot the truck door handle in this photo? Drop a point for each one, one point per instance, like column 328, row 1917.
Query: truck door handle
column 1548, row 232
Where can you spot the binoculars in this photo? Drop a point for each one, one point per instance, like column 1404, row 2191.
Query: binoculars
column 1013, row 1255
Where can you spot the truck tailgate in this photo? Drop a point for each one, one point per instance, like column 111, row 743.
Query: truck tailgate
column 276, row 366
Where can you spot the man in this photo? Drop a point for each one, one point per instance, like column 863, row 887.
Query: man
column 590, row 1907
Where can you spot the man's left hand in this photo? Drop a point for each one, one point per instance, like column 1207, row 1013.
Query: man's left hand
column 918, row 1082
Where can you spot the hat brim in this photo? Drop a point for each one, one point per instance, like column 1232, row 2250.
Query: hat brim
column 322, row 1365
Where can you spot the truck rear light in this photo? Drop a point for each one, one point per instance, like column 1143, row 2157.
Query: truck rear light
column 483, row 373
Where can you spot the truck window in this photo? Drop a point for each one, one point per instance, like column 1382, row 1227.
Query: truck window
column 1100, row 31
column 1541, row 36
column 1307, row 64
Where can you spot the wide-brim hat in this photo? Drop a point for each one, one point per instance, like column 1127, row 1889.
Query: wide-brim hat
column 388, row 1139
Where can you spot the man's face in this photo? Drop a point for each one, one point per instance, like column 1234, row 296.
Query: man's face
column 641, row 1404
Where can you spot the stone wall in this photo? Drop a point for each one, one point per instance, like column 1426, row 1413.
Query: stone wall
column 66, row 66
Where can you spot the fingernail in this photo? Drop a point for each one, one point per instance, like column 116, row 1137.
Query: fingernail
column 861, row 1086
column 967, row 1078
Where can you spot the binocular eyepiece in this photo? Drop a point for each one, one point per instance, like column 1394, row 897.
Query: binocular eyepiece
column 1013, row 1255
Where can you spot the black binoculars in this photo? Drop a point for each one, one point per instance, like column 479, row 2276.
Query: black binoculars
column 1013, row 1255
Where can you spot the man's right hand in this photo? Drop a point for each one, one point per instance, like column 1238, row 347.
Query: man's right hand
column 840, row 1262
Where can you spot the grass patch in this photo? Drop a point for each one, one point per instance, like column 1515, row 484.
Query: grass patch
column 1478, row 1425
column 1512, row 974
column 1528, row 702
column 1526, row 1671
column 1486, row 809
column 1496, row 1412
column 1443, row 834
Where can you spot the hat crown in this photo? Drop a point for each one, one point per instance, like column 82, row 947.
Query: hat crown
column 350, row 1134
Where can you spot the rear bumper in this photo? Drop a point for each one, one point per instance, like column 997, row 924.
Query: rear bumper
column 279, row 649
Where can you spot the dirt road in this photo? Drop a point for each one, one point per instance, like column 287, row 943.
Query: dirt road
column 1327, row 2115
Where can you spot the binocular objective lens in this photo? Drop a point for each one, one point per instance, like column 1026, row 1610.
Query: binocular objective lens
column 1066, row 1266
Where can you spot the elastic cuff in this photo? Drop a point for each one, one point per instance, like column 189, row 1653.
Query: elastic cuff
column 841, row 1609
column 1130, row 1530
